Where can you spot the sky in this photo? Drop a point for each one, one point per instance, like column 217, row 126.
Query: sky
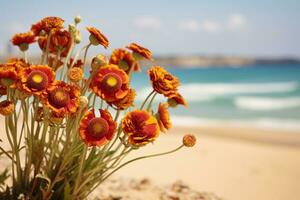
column 255, row 28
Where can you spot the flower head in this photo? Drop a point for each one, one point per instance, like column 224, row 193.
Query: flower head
column 6, row 107
column 140, row 51
column 23, row 40
column 163, row 117
column 96, row 131
column 75, row 74
column 8, row 74
column 162, row 81
column 124, row 60
column 175, row 99
column 60, row 40
column 36, row 79
column 189, row 140
column 126, row 101
column 47, row 24
column 141, row 127
column 62, row 98
column 110, row 83
column 97, row 37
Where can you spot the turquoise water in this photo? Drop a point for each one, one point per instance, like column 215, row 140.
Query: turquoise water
column 266, row 95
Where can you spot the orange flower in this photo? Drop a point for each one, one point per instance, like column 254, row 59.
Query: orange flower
column 124, row 60
column 97, row 131
column 140, row 51
column 125, row 102
column 6, row 107
column 163, row 117
column 97, row 37
column 47, row 24
column 60, row 40
column 17, row 63
column 189, row 140
column 42, row 41
column 141, row 127
column 62, row 98
column 8, row 75
column 36, row 79
column 162, row 81
column 75, row 74
column 175, row 99
column 110, row 83
column 23, row 38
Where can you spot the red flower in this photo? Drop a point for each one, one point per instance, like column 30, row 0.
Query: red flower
column 110, row 83
column 141, row 127
column 97, row 37
column 97, row 131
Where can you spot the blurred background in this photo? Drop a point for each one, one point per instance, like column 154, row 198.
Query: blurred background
column 239, row 66
column 237, row 60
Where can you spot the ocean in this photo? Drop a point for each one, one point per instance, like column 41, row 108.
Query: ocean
column 265, row 96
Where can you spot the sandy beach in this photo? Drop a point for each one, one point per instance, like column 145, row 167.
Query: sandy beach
column 233, row 163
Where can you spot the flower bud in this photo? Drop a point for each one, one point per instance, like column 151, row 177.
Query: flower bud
column 6, row 107
column 77, row 19
column 77, row 38
column 99, row 61
column 75, row 74
column 72, row 29
column 83, row 101
column 189, row 140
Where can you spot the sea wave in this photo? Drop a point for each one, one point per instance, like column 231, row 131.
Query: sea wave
column 265, row 104
column 209, row 91
column 263, row 123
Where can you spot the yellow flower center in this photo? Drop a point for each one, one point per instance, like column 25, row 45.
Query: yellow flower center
column 98, row 127
column 37, row 80
column 111, row 82
column 59, row 97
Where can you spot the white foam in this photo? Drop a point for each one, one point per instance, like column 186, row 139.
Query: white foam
column 209, row 91
column 265, row 104
column 263, row 123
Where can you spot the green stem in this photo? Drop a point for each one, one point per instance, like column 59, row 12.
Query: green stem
column 143, row 104
column 80, row 172
column 151, row 101
column 135, row 159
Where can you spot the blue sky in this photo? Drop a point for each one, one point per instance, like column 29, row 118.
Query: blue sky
column 245, row 27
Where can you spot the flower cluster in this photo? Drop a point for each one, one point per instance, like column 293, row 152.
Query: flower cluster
column 77, row 109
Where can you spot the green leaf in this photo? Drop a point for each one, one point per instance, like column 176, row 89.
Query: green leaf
column 67, row 191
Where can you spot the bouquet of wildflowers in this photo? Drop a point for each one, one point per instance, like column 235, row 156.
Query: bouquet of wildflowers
column 69, row 127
